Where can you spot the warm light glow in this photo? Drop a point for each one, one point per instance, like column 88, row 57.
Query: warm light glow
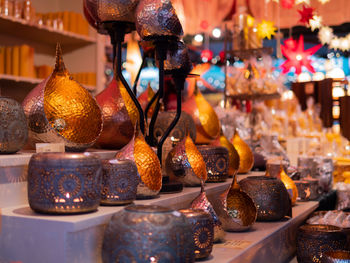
column 325, row 35
column 338, row 92
column 318, row 76
column 216, row 32
column 344, row 44
column 198, row 38
column 336, row 112
column 266, row 29
column 133, row 59
column 250, row 21
column 335, row 73
column 287, row 95
column 297, row 2
column 323, row 1
column 335, row 43
column 315, row 22
column 298, row 57
column 304, row 77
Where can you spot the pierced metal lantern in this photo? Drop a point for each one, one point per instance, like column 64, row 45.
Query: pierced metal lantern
column 64, row 183
column 202, row 231
column 145, row 233
column 13, row 126
column 119, row 182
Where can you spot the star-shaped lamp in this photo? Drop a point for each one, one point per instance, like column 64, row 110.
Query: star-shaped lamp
column 306, row 14
column 297, row 56
column 315, row 22
column 266, row 29
column 298, row 2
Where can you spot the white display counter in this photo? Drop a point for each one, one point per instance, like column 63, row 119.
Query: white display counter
column 27, row 237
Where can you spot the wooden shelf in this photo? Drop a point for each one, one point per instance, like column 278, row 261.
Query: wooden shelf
column 255, row 96
column 29, row 82
column 23, row 29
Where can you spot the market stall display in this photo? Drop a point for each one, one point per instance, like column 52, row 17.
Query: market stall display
column 186, row 130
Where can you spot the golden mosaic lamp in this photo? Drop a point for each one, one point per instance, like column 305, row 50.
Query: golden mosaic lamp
column 185, row 163
column 235, row 209
column 232, row 153
column 59, row 109
column 207, row 122
column 246, row 158
column 147, row 163
column 119, row 116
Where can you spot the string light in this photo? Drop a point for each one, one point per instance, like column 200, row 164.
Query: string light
column 325, row 35
column 315, row 22
column 198, row 38
column 216, row 32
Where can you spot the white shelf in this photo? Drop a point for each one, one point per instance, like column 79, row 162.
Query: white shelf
column 26, row 30
column 266, row 241
column 21, row 158
column 78, row 238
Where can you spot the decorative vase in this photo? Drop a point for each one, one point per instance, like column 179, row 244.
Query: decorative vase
column 144, row 98
column 204, row 116
column 64, row 183
column 13, row 126
column 183, row 126
column 119, row 182
column 270, row 197
column 246, row 158
column 202, row 231
column 286, row 180
column 59, row 109
column 202, row 202
column 314, row 240
column 232, row 153
column 157, row 18
column 216, row 160
column 147, row 163
column 336, row 256
column 119, row 116
column 235, row 209
column 185, row 163
column 111, row 10
column 144, row 233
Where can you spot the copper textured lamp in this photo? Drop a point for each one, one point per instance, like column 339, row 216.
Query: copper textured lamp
column 59, row 109
column 115, row 18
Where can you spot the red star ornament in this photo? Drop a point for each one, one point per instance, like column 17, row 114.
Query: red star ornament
column 306, row 14
column 297, row 56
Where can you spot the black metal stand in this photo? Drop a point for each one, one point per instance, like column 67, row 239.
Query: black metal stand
column 161, row 50
column 180, row 84
column 144, row 58
column 117, row 31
